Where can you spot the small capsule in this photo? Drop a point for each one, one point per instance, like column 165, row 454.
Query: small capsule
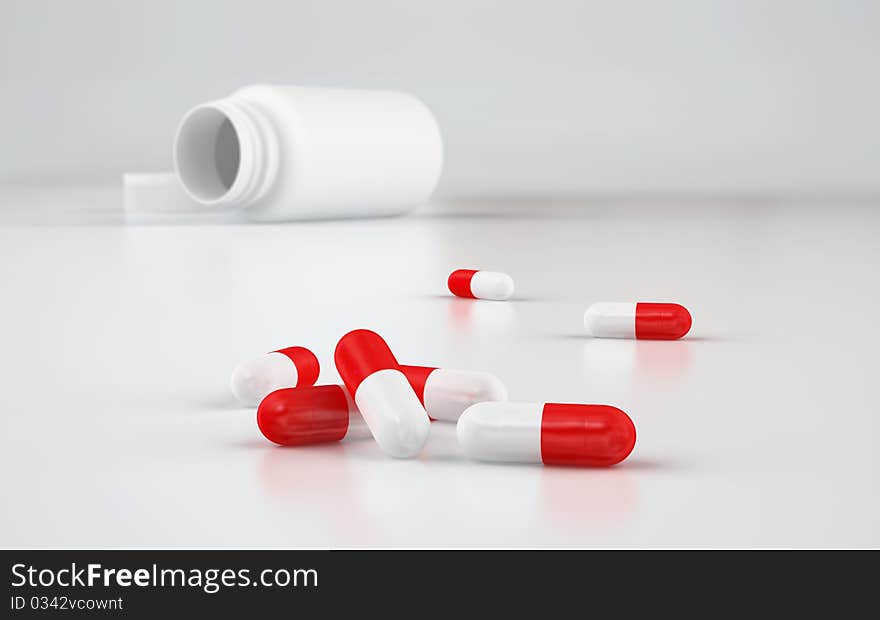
column 475, row 284
column 253, row 379
column 386, row 400
column 445, row 394
column 549, row 433
column 308, row 415
column 645, row 321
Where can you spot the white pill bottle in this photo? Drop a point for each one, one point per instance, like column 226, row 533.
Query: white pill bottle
column 273, row 153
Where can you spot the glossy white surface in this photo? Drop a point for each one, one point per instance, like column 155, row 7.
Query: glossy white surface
column 392, row 410
column 760, row 428
column 611, row 320
column 449, row 392
column 503, row 432
column 491, row 285
column 254, row 378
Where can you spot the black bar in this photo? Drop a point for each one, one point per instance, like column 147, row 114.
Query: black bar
column 379, row 583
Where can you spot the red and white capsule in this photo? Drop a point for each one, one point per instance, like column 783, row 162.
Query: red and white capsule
column 386, row 400
column 445, row 393
column 645, row 321
column 549, row 433
column 310, row 415
column 327, row 413
column 253, row 379
column 475, row 284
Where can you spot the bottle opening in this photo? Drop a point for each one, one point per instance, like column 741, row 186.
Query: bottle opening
column 208, row 154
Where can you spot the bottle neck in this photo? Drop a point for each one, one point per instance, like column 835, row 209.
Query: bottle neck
column 226, row 153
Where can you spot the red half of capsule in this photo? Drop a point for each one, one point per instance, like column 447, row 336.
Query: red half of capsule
column 417, row 377
column 661, row 321
column 585, row 435
column 299, row 416
column 359, row 354
column 307, row 366
column 459, row 282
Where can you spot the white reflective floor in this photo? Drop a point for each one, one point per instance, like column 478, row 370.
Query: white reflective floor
column 759, row 429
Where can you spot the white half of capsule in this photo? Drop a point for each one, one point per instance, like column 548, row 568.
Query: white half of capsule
column 449, row 392
column 254, row 379
column 506, row 432
column 357, row 426
column 492, row 285
column 391, row 409
column 611, row 320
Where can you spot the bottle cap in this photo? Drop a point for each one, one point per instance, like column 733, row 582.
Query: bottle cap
column 159, row 196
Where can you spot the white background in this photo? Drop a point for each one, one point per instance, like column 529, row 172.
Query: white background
column 555, row 97
column 723, row 155
column 758, row 429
